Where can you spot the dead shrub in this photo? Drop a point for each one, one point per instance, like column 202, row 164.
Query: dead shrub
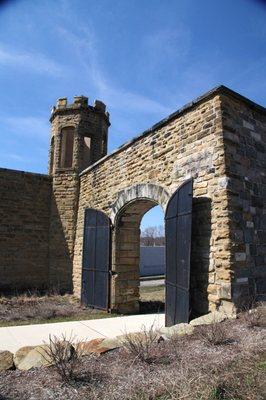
column 64, row 354
column 143, row 345
column 252, row 318
column 214, row 334
column 253, row 312
column 198, row 372
column 255, row 316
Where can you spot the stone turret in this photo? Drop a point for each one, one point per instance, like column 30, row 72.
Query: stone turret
column 79, row 134
column 79, row 137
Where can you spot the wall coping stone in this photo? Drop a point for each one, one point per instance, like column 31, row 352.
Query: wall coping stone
column 17, row 171
column 221, row 89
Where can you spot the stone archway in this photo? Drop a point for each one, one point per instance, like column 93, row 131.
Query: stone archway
column 127, row 212
column 148, row 191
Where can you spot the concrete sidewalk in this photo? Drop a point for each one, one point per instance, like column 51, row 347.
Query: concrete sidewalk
column 14, row 337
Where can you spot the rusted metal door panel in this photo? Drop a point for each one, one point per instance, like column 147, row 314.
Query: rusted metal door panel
column 178, row 222
column 96, row 260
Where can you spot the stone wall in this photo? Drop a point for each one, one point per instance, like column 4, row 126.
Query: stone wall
column 245, row 142
column 219, row 140
column 188, row 143
column 62, row 229
column 24, row 230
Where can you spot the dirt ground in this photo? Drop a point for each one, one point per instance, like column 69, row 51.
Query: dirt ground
column 34, row 308
column 222, row 361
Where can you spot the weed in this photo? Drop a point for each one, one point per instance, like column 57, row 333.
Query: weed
column 142, row 345
column 255, row 316
column 65, row 355
column 214, row 334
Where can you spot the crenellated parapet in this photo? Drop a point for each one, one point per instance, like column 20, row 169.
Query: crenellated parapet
column 80, row 103
column 79, row 134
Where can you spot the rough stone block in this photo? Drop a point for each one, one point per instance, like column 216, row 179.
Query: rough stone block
column 176, row 330
column 6, row 360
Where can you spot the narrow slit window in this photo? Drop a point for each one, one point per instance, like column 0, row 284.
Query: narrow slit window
column 67, row 144
column 86, row 152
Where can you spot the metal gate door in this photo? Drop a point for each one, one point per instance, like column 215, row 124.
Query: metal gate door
column 178, row 220
column 96, row 260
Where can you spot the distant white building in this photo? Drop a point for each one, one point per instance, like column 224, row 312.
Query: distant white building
column 152, row 260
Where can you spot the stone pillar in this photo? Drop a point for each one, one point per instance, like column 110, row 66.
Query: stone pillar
column 126, row 276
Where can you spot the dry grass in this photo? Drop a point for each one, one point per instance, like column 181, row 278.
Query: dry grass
column 152, row 293
column 37, row 308
column 194, row 370
column 152, row 299
column 215, row 334
column 34, row 308
column 255, row 316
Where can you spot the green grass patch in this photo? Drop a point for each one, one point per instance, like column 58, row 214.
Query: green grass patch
column 262, row 365
column 36, row 321
column 152, row 293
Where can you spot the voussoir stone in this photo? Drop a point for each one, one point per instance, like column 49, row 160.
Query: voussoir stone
column 6, row 360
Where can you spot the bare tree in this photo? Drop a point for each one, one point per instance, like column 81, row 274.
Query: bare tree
column 152, row 236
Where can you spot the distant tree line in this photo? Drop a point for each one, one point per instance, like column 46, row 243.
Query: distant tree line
column 152, row 236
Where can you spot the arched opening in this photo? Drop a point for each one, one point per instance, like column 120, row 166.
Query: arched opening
column 152, row 261
column 66, row 150
column 126, row 265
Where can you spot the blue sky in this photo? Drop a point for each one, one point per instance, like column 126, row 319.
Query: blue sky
column 143, row 58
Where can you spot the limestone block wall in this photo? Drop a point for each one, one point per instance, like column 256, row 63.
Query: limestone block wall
column 64, row 198
column 219, row 140
column 244, row 129
column 24, row 230
column 188, row 143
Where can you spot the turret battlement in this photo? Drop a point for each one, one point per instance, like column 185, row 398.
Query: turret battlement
column 79, row 134
column 80, row 102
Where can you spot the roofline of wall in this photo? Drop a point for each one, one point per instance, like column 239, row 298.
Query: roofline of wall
column 221, row 89
column 17, row 171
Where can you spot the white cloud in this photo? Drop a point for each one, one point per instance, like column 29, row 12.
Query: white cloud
column 167, row 45
column 85, row 46
column 26, row 126
column 33, row 61
column 15, row 157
